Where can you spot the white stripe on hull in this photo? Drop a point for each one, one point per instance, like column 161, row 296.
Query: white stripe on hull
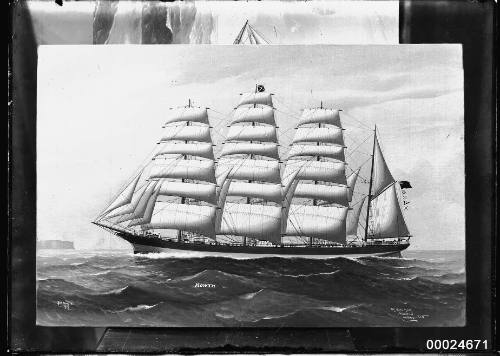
column 173, row 253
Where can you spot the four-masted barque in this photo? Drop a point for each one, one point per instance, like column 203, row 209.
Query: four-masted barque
column 252, row 201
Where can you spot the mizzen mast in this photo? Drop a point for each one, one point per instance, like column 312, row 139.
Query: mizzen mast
column 385, row 218
column 315, row 170
column 370, row 187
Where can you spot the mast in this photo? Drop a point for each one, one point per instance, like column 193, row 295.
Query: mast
column 183, row 199
column 383, row 197
column 248, row 168
column 183, row 170
column 240, row 34
column 315, row 202
column 249, row 199
column 370, row 188
column 315, row 170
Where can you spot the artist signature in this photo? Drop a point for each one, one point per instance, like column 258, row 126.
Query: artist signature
column 204, row 285
column 64, row 304
column 408, row 315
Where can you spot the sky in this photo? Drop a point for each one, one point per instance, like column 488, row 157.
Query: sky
column 101, row 108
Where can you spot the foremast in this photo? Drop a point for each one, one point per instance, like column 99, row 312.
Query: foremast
column 176, row 190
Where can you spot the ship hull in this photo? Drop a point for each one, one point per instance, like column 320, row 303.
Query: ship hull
column 142, row 245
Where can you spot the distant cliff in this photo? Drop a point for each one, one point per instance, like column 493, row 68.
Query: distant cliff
column 55, row 244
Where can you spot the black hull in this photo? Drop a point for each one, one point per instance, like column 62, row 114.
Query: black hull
column 153, row 244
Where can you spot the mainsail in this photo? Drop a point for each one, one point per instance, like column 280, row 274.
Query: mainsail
column 178, row 189
column 315, row 175
column 248, row 172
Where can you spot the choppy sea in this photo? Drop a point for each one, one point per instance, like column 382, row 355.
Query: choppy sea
column 117, row 288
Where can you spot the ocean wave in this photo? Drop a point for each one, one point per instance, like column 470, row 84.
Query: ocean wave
column 137, row 308
column 160, row 290
column 214, row 277
column 311, row 274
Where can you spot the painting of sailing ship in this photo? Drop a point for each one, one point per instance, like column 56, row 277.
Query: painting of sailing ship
column 258, row 186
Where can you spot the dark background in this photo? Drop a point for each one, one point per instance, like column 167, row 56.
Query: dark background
column 468, row 22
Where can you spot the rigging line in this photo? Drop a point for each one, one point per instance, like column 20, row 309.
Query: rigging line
column 351, row 125
column 287, row 113
column 361, row 165
column 354, row 141
column 220, row 113
column 293, row 116
column 222, row 123
column 358, row 146
column 282, row 102
column 358, row 121
column 260, row 34
column 287, row 131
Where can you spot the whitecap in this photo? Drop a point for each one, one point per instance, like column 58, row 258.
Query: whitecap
column 402, row 278
column 249, row 296
column 224, row 316
column 270, row 317
column 339, row 309
column 98, row 273
column 311, row 274
column 77, row 263
column 115, row 291
column 139, row 307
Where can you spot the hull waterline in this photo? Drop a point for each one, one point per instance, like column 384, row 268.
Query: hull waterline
column 154, row 245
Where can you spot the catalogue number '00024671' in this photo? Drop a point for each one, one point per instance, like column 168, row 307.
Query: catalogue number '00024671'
column 446, row 344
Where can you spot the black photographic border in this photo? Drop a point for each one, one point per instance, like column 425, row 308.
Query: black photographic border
column 471, row 23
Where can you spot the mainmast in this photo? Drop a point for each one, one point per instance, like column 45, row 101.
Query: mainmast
column 248, row 167
column 370, row 188
column 249, row 199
